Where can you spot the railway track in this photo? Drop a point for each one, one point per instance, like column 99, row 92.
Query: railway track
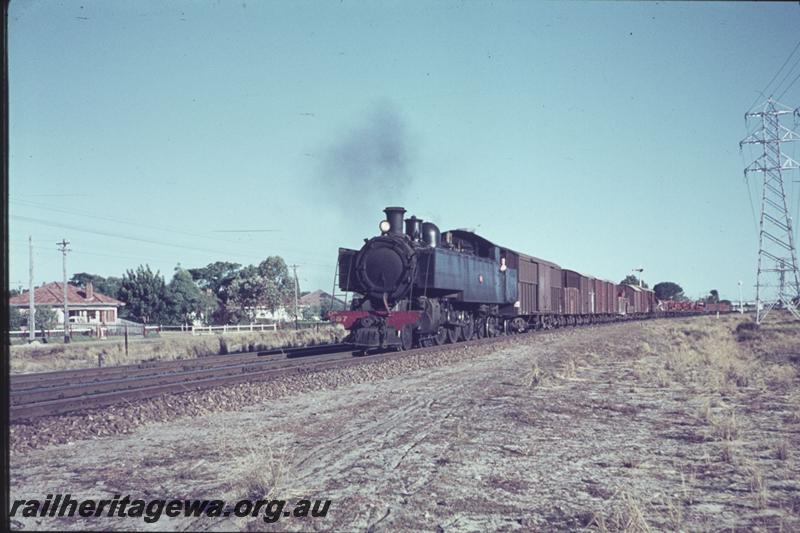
column 54, row 393
column 40, row 380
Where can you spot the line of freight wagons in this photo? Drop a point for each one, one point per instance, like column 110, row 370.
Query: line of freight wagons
column 545, row 287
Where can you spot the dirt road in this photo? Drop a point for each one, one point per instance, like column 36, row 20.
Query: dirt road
column 658, row 425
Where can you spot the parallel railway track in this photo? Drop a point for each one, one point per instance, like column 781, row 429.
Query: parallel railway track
column 54, row 393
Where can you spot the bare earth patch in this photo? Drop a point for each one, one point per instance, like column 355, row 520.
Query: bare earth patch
column 661, row 425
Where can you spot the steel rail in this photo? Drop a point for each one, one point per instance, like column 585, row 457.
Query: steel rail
column 19, row 382
column 57, row 401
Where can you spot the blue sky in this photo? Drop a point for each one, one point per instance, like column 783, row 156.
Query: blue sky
column 601, row 136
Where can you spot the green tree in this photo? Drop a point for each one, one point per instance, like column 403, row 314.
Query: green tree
column 16, row 320
column 215, row 279
column 667, row 290
column 630, row 279
column 713, row 296
column 215, row 276
column 109, row 286
column 145, row 295
column 45, row 317
column 311, row 312
column 279, row 285
column 244, row 294
column 184, row 299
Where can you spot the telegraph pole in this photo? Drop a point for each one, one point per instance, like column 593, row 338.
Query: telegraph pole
column 777, row 278
column 294, row 268
column 31, row 303
column 63, row 248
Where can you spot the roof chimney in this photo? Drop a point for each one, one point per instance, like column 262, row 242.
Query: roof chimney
column 89, row 290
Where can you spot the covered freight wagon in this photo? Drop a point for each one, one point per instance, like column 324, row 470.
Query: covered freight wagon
column 539, row 284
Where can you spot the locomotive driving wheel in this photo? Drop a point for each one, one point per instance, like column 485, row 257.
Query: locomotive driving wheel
column 406, row 337
column 441, row 336
column 468, row 329
column 453, row 334
column 480, row 330
column 517, row 325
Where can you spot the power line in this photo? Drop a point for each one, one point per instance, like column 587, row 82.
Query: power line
column 790, row 85
column 761, row 94
column 114, row 235
column 116, row 220
column 159, row 228
column 784, row 64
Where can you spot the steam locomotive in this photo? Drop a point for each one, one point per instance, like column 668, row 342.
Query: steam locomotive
column 417, row 286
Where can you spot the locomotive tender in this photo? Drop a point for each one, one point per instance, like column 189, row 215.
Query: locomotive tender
column 419, row 286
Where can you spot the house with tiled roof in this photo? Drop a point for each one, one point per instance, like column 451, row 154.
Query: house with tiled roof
column 318, row 298
column 86, row 306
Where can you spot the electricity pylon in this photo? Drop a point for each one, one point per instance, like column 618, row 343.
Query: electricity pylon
column 777, row 279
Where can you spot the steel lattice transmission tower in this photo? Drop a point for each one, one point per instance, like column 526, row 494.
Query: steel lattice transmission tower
column 777, row 280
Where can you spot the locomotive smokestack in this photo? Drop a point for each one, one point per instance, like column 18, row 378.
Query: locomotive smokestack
column 395, row 217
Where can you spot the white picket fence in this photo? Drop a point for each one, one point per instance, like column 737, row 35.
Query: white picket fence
column 99, row 330
column 213, row 330
column 103, row 331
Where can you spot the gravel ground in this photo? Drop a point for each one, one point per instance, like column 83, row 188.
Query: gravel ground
column 565, row 430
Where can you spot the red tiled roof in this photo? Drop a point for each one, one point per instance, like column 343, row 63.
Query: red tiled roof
column 316, row 298
column 53, row 294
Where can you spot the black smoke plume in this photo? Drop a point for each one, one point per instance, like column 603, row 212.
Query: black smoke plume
column 368, row 167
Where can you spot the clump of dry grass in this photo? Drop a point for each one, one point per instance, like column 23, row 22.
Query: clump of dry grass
column 260, row 470
column 568, row 369
column 729, row 453
column 632, row 462
column 747, row 331
column 48, row 357
column 782, row 450
column 627, row 514
column 686, row 488
column 780, row 374
column 725, row 428
column 758, row 486
column 534, row 376
column 706, row 355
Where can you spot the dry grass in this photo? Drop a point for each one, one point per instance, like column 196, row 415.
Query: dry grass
column 534, row 376
column 782, row 450
column 568, row 369
column 47, row 357
column 718, row 366
column 725, row 428
column 729, row 453
column 721, row 356
column 758, row 486
column 626, row 514
column 261, row 473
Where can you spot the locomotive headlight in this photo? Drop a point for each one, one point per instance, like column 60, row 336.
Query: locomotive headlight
column 384, row 226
